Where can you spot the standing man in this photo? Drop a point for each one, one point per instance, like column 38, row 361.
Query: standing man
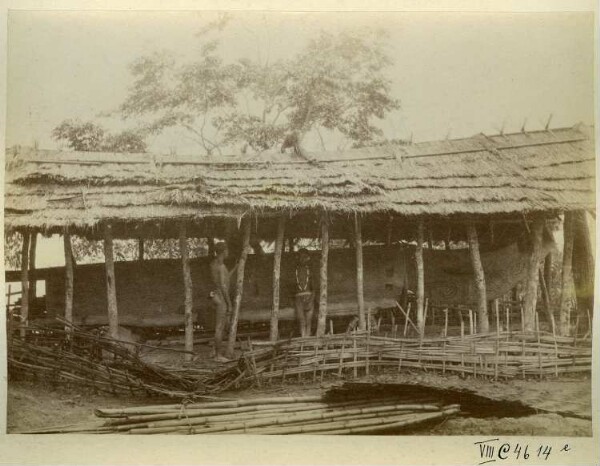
column 220, row 296
column 304, row 293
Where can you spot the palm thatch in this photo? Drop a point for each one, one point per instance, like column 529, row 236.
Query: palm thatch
column 483, row 175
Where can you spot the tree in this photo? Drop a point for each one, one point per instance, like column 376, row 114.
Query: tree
column 90, row 137
column 336, row 83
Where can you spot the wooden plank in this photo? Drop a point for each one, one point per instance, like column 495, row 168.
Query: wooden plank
column 25, row 283
column 360, row 294
column 482, row 313
column 322, row 317
column 239, row 290
column 68, row 280
column 188, row 293
column 111, row 286
column 274, row 333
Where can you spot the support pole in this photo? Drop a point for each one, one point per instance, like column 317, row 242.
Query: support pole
column 68, row 280
column 360, row 295
column 239, row 290
column 140, row 249
column 566, row 275
column 187, row 292
column 583, row 259
column 111, row 286
column 531, row 290
column 32, row 280
column 482, row 313
column 420, row 277
column 323, row 275
column 279, row 240
column 25, row 283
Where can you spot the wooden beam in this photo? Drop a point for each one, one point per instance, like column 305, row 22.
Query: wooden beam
column 68, row 280
column 274, row 334
column 32, row 255
column 420, row 277
column 239, row 290
column 566, row 275
column 140, row 249
column 111, row 286
column 545, row 296
column 322, row 317
column 531, row 287
column 482, row 312
column 583, row 261
column 24, row 283
column 360, row 293
column 187, row 293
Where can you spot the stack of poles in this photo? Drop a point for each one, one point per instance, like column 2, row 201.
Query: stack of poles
column 270, row 416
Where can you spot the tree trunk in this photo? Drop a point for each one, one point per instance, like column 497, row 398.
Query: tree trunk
column 25, row 283
column 420, row 278
column 140, row 249
column 111, row 286
column 32, row 280
column 360, row 294
column 531, row 289
column 322, row 319
column 566, row 275
column 239, row 290
column 482, row 313
column 187, row 293
column 583, row 262
column 274, row 335
column 68, row 280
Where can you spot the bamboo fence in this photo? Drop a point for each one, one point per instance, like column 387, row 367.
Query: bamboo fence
column 494, row 355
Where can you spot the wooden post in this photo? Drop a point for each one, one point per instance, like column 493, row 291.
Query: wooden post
column 140, row 249
column 239, row 286
column 68, row 280
column 420, row 277
column 360, row 295
column 25, row 283
column 274, row 335
column 482, row 313
column 545, row 295
column 323, row 275
column 567, row 274
column 111, row 286
column 530, row 301
column 32, row 280
column 187, row 292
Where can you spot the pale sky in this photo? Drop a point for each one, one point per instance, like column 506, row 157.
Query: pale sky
column 456, row 74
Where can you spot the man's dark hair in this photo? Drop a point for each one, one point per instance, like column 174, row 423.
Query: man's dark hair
column 220, row 247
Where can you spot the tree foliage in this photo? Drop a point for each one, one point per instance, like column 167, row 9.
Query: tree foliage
column 337, row 82
column 90, row 137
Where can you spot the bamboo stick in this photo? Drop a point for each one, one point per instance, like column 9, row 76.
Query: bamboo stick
column 420, row 278
column 359, row 272
column 111, row 286
column 24, row 283
column 188, row 292
column 68, row 280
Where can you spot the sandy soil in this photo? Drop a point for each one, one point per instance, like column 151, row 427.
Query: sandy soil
column 34, row 405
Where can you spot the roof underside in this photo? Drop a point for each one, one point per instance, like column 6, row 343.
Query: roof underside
column 499, row 175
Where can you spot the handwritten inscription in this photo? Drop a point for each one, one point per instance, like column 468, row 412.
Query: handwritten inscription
column 495, row 449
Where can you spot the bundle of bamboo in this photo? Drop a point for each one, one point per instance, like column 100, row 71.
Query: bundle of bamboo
column 280, row 415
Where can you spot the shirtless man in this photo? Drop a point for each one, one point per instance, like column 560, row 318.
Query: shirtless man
column 304, row 293
column 220, row 296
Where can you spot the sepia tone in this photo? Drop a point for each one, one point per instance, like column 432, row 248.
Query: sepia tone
column 299, row 267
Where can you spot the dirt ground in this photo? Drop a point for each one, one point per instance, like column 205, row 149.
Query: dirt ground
column 561, row 403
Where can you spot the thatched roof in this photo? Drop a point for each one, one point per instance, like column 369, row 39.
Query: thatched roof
column 483, row 175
